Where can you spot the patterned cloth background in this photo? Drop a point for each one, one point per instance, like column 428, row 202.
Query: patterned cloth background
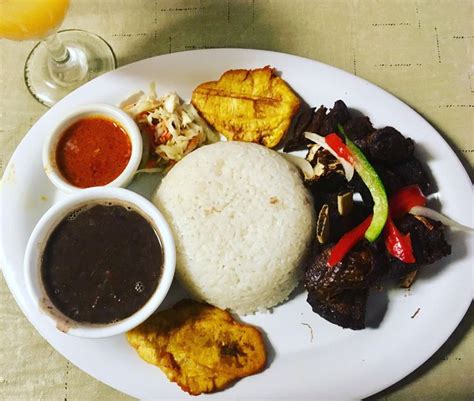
column 420, row 51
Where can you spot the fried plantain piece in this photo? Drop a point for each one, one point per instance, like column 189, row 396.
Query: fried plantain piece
column 248, row 105
column 198, row 346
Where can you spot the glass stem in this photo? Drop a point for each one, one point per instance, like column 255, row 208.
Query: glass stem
column 67, row 66
column 56, row 48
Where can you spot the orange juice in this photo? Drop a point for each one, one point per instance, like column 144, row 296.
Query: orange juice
column 31, row 19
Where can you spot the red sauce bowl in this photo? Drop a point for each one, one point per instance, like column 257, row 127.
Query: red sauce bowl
column 96, row 145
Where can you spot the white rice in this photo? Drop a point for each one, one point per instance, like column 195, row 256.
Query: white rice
column 242, row 222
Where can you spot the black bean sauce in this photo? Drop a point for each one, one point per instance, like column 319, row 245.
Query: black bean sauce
column 102, row 263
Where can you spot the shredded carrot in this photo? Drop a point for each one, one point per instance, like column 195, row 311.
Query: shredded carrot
column 164, row 138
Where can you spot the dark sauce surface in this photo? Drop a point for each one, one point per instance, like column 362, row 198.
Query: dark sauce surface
column 102, row 263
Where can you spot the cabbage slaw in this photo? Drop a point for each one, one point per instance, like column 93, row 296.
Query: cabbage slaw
column 170, row 128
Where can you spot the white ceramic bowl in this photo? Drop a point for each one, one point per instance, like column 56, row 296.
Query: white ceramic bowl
column 44, row 228
column 97, row 109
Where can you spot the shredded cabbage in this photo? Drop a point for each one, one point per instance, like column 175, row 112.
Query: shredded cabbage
column 174, row 128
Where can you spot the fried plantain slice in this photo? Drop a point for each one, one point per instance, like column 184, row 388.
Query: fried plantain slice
column 248, row 105
column 198, row 346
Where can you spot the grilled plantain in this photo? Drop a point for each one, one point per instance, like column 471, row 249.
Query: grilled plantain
column 200, row 347
column 248, row 105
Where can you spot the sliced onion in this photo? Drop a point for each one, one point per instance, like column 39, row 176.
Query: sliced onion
column 434, row 215
column 319, row 140
column 303, row 164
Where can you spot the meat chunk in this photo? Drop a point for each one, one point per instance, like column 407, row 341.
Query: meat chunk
column 339, row 114
column 388, row 146
column 355, row 271
column 357, row 129
column 317, row 121
column 427, row 237
column 309, row 120
column 391, row 181
column 346, row 309
column 429, row 244
column 339, row 294
column 411, row 172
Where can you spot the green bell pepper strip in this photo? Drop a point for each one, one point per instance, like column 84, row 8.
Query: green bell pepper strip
column 371, row 179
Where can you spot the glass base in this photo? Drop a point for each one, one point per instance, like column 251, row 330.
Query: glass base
column 91, row 55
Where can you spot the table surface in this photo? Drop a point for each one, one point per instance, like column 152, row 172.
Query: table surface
column 420, row 51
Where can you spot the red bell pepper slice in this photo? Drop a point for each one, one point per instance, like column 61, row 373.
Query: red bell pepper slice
column 335, row 143
column 347, row 241
column 404, row 199
column 397, row 243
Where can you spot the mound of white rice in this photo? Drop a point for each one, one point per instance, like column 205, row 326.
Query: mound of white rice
column 242, row 222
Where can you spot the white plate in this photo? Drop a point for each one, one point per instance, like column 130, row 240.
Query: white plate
column 330, row 362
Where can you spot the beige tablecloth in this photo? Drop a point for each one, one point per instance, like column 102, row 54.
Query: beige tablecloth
column 421, row 51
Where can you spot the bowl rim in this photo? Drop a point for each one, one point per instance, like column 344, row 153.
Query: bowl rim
column 94, row 109
column 49, row 221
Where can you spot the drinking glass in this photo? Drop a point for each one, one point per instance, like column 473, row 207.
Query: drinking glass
column 63, row 60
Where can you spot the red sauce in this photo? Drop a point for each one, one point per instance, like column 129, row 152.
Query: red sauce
column 92, row 152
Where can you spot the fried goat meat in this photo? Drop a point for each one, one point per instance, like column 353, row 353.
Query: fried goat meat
column 429, row 244
column 339, row 293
